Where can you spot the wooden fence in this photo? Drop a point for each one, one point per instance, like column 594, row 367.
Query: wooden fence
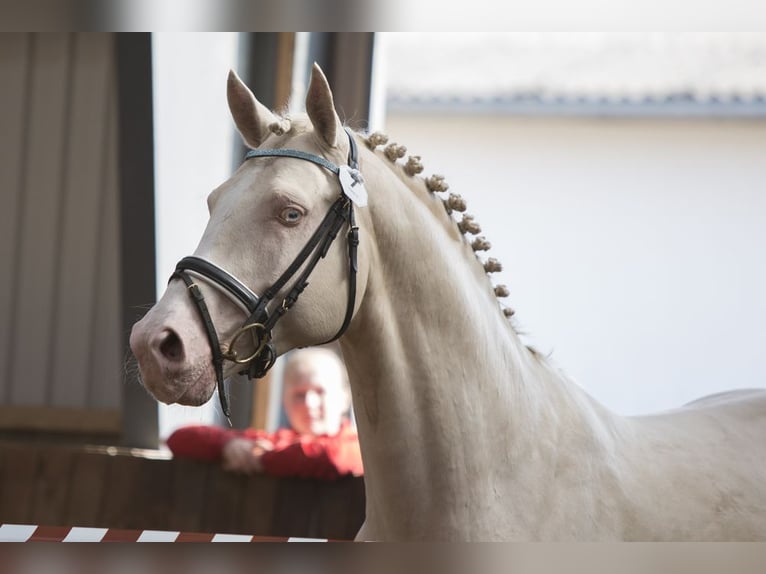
column 110, row 488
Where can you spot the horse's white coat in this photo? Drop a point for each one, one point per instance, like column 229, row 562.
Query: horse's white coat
column 465, row 433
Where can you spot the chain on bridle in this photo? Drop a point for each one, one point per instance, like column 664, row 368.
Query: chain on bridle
column 261, row 322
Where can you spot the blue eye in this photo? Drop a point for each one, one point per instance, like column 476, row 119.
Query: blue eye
column 291, row 215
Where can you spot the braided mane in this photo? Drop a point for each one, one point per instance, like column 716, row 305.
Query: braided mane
column 465, row 229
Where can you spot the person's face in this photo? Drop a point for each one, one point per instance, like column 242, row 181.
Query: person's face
column 314, row 396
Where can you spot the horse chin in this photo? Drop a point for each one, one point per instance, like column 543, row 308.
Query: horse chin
column 196, row 396
column 193, row 387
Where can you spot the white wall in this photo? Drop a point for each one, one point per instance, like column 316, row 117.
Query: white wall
column 194, row 139
column 633, row 249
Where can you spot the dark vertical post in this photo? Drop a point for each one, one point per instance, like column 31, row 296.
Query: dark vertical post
column 266, row 65
column 346, row 59
column 140, row 425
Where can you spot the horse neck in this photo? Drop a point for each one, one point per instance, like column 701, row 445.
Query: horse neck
column 443, row 387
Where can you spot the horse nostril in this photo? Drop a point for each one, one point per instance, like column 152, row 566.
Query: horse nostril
column 170, row 346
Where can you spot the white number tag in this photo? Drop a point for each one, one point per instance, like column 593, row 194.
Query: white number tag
column 352, row 182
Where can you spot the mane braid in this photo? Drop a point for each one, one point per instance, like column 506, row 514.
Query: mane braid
column 281, row 126
column 426, row 189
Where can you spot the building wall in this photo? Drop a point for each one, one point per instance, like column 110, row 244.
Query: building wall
column 60, row 358
column 633, row 249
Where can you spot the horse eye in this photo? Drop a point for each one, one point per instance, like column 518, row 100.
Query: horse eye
column 291, row 215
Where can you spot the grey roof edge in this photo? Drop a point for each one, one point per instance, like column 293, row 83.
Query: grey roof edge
column 671, row 106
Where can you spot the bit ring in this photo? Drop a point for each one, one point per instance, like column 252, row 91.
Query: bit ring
column 231, row 355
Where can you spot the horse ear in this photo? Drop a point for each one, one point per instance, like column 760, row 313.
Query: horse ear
column 251, row 116
column 321, row 108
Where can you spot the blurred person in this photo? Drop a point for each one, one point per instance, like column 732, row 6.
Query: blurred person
column 320, row 443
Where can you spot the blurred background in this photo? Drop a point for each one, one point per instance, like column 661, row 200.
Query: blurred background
column 619, row 178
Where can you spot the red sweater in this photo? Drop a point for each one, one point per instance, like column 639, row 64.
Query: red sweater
column 324, row 457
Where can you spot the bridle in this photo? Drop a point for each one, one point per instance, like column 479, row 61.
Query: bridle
column 261, row 322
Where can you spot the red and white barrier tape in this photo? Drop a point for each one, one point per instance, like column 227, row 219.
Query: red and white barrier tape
column 35, row 533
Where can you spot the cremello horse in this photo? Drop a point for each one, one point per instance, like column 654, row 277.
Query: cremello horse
column 466, row 433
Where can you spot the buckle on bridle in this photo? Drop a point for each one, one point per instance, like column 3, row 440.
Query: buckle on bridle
column 259, row 342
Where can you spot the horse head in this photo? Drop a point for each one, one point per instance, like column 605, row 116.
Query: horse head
column 271, row 231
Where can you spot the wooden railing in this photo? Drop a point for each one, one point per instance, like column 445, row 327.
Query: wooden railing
column 118, row 488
